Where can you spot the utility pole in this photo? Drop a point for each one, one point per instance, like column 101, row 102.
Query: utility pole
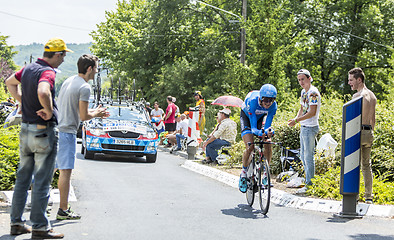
column 98, row 82
column 243, row 32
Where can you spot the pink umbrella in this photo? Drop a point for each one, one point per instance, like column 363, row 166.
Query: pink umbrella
column 231, row 101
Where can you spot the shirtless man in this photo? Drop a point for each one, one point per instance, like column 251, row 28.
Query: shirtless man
column 356, row 82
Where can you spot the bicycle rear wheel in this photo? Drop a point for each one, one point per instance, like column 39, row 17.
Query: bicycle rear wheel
column 251, row 183
column 264, row 186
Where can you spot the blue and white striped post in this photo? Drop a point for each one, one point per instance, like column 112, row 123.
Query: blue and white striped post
column 350, row 157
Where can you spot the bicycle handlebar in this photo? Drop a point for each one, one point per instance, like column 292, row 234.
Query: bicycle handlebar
column 262, row 142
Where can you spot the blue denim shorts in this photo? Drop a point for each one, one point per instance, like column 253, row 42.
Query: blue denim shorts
column 66, row 152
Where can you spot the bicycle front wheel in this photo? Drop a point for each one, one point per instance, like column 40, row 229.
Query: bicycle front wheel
column 264, row 186
column 251, row 183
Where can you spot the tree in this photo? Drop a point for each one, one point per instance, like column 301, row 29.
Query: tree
column 7, row 66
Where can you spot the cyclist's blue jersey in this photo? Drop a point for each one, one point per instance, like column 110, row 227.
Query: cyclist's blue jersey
column 254, row 111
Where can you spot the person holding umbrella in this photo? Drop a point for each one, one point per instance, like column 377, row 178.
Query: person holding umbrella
column 257, row 105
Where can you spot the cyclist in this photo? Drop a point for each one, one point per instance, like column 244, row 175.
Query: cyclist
column 257, row 105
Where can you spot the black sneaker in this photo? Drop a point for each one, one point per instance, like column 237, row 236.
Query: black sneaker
column 67, row 215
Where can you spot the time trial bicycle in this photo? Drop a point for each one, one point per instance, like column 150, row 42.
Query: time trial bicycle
column 258, row 176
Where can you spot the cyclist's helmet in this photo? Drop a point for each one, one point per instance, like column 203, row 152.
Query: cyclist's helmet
column 268, row 90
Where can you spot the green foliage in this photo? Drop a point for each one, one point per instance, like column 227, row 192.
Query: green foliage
column 289, row 137
column 9, row 156
column 327, row 186
column 7, row 65
column 236, row 153
column 383, row 146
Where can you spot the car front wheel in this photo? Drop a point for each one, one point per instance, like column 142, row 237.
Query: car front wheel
column 88, row 154
column 151, row 158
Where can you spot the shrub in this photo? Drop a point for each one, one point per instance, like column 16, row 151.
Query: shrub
column 327, row 186
column 236, row 153
column 9, row 156
column 382, row 154
column 289, row 137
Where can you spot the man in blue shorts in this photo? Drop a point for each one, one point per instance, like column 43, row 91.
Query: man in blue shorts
column 257, row 106
column 73, row 105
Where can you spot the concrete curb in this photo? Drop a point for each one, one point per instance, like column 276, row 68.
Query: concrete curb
column 282, row 198
column 54, row 197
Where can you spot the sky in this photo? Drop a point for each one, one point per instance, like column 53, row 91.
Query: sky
column 37, row 21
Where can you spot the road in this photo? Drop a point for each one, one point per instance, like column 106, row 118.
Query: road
column 126, row 198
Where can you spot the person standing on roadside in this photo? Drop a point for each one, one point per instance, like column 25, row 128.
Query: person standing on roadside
column 201, row 104
column 157, row 118
column 147, row 107
column 38, row 139
column 73, row 104
column 176, row 106
column 308, row 117
column 169, row 118
column 356, row 80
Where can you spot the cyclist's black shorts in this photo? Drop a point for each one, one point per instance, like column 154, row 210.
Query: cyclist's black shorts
column 245, row 124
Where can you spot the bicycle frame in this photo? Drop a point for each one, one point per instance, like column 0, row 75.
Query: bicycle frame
column 258, row 175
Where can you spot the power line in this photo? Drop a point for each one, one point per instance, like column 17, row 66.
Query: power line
column 48, row 23
column 338, row 30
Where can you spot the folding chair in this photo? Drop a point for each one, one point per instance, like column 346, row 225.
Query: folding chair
column 288, row 157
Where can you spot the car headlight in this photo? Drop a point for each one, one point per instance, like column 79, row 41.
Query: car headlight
column 149, row 135
column 97, row 131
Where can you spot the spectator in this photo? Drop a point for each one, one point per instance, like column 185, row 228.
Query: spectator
column 181, row 133
column 201, row 104
column 357, row 82
column 187, row 114
column 157, row 112
column 169, row 118
column 157, row 115
column 217, row 125
column 308, row 117
column 74, row 101
column 177, row 108
column 147, row 107
column 223, row 136
column 171, row 138
column 38, row 139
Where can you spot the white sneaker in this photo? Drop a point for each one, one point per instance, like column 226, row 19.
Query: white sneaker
column 302, row 190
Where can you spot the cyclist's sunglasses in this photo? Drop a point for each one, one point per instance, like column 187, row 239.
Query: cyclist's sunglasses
column 267, row 100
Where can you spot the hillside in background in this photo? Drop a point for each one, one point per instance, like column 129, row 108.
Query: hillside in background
column 68, row 68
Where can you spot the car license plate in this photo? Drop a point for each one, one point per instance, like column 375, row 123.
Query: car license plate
column 124, row 141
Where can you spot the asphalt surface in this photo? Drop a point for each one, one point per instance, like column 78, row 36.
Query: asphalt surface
column 126, row 198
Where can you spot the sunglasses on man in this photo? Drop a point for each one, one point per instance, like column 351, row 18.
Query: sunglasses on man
column 267, row 100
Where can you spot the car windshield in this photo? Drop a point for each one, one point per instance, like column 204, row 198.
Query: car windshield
column 124, row 113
